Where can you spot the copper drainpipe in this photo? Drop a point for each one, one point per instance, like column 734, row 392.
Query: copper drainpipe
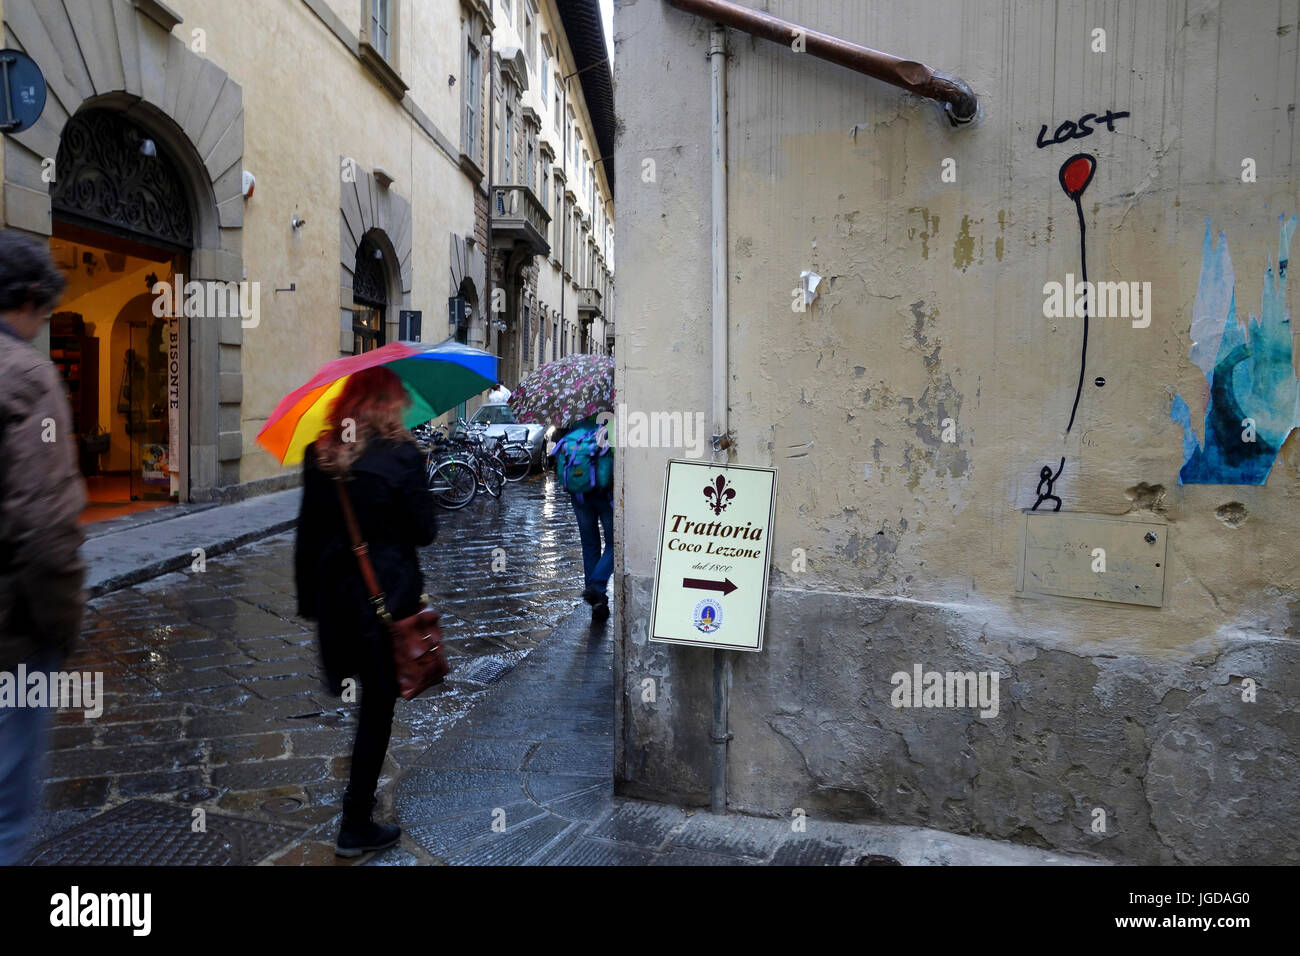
column 959, row 101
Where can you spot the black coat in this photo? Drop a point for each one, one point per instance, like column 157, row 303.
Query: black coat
column 396, row 515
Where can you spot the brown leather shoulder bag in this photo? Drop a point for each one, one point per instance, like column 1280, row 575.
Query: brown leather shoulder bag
column 418, row 650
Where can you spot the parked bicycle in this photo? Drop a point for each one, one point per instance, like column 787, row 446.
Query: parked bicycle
column 516, row 458
column 459, row 467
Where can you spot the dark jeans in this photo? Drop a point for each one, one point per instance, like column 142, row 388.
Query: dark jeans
column 24, row 738
column 375, row 725
column 594, row 512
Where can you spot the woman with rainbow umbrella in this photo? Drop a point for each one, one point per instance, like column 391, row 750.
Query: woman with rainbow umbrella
column 349, row 426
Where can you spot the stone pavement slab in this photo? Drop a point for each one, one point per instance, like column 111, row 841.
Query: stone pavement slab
column 129, row 550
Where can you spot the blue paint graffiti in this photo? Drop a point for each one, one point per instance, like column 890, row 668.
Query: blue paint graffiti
column 1253, row 390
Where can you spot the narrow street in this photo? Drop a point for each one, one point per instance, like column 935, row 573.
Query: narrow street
column 212, row 703
column 213, row 700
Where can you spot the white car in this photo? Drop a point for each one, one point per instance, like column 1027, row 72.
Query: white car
column 497, row 420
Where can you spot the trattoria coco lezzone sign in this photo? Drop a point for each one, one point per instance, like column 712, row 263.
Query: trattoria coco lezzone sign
column 715, row 536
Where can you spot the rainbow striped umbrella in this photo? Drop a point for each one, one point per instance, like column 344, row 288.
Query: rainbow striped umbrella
column 437, row 377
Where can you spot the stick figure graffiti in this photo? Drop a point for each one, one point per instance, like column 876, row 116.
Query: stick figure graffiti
column 1045, row 481
column 1075, row 174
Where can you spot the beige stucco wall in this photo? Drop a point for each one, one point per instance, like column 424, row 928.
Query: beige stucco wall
column 932, row 308
column 308, row 101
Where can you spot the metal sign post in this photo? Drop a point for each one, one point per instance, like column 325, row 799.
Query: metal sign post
column 711, row 575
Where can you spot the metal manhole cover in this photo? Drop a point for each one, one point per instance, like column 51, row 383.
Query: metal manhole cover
column 144, row 833
column 283, row 805
column 485, row 670
column 877, row 859
column 198, row 795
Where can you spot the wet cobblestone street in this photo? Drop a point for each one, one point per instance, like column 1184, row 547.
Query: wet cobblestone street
column 213, row 699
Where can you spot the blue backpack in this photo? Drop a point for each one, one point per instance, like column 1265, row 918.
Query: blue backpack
column 584, row 461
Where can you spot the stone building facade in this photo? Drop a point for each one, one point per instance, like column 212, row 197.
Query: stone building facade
column 320, row 158
column 553, row 247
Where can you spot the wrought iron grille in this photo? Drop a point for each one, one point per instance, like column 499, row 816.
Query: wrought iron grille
column 369, row 278
column 105, row 175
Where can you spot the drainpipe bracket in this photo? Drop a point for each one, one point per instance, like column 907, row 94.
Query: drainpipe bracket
column 728, row 736
column 961, row 107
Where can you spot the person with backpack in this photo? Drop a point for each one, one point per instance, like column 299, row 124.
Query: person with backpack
column 584, row 467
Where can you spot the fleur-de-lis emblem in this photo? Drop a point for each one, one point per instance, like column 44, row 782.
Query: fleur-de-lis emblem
column 719, row 495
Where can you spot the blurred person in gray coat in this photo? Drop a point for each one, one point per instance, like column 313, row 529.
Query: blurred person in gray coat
column 42, row 495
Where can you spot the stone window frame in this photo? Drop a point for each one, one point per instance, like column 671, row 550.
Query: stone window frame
column 544, row 66
column 368, row 209
column 529, row 31
column 508, row 142
column 557, row 219
column 475, row 24
column 386, row 66
column 471, row 97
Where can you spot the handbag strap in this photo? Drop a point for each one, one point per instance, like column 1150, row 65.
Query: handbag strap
column 362, row 551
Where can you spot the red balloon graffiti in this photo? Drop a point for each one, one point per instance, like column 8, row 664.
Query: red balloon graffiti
column 1076, row 172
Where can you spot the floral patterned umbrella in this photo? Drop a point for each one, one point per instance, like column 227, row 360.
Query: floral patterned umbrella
column 566, row 391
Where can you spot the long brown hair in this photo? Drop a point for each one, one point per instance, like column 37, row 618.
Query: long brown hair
column 371, row 405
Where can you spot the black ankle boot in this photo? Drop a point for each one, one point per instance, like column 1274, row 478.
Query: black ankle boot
column 359, row 833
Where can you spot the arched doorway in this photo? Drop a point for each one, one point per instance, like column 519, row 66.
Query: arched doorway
column 122, row 229
column 172, row 127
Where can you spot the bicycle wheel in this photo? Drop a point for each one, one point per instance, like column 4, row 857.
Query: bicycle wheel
column 452, row 484
column 518, row 463
column 492, row 476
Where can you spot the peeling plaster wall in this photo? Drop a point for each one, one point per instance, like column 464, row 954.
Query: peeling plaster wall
column 932, row 308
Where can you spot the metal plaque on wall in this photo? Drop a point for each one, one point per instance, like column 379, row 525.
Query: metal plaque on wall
column 1093, row 557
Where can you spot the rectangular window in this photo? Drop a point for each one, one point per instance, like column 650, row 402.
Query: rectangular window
column 528, row 335
column 508, row 146
column 379, row 27
column 367, row 328
column 473, row 86
column 555, row 339
column 529, row 177
column 546, row 73
column 556, row 220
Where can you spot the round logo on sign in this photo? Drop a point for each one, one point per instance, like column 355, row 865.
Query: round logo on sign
column 708, row 616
